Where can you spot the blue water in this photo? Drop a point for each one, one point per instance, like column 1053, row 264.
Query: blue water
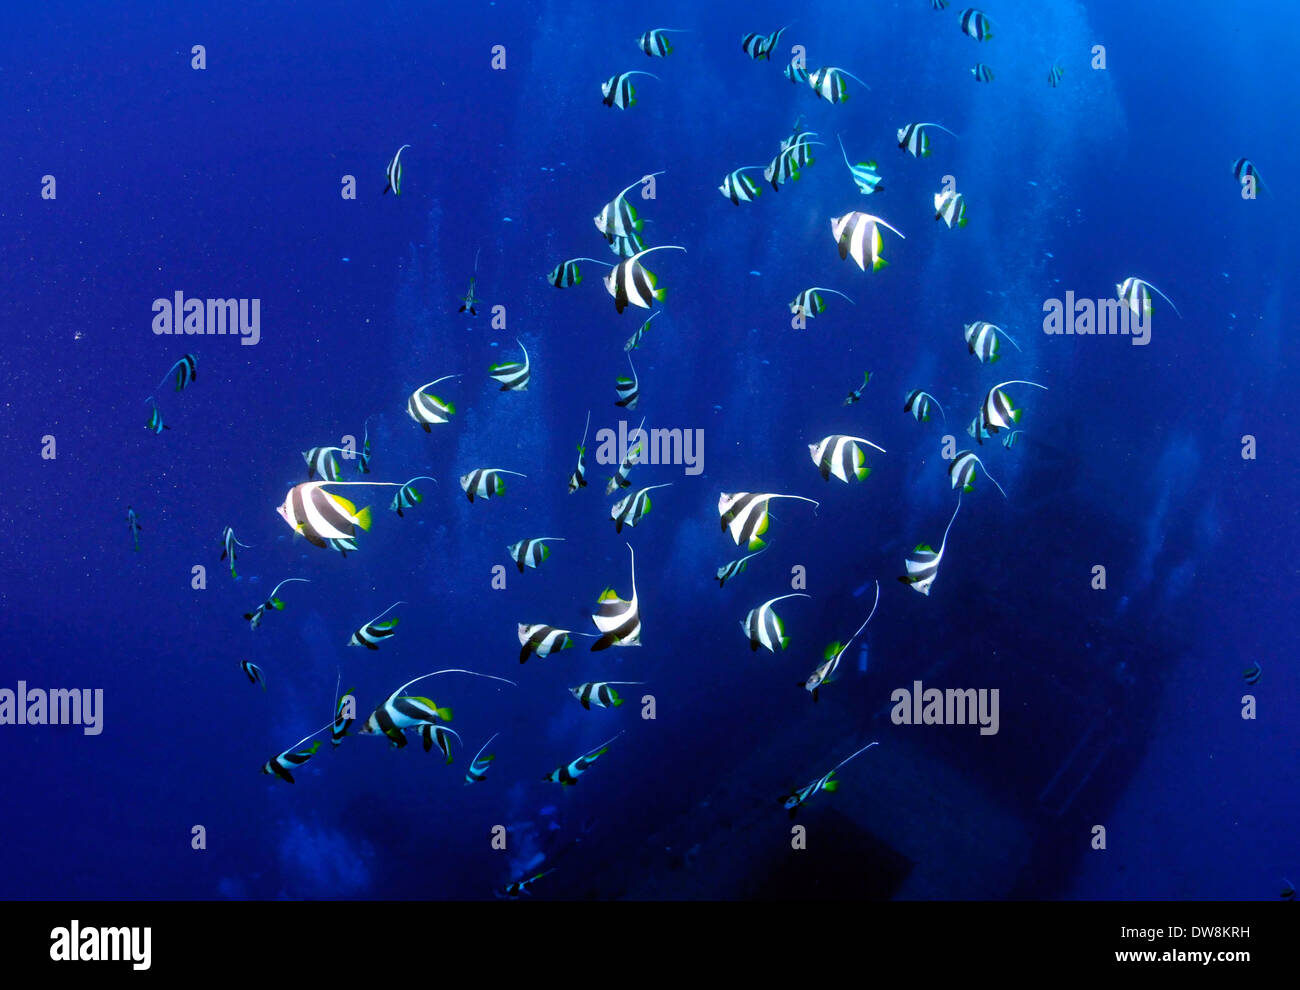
column 225, row 182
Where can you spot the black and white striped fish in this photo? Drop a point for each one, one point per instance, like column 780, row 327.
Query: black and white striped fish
column 480, row 765
column 186, row 370
column 599, row 693
column 763, row 627
column 825, row 672
column 976, row 24
column 950, row 207
column 343, row 546
column 626, row 245
column 394, row 172
column 1009, row 440
column 982, row 340
column 272, row 602
column 228, row 545
column 738, row 187
column 530, row 553
column 517, row 887
column 440, row 736
column 788, row 161
column 978, row 428
column 321, row 463
column 568, row 775
column 918, row 404
column 579, row 477
column 828, row 83
column 155, row 418
column 982, row 72
column 567, row 273
column 628, row 510
column 469, row 301
column 961, row 472
column 808, row 303
column 363, row 459
column 841, row 456
column 858, row 235
column 621, row 477
column 796, row 72
column 864, row 174
column 923, row 562
column 1054, row 75
column 915, row 139
column 408, row 495
column 655, row 44
column 618, row 90
column 628, row 389
column 634, row 341
column 291, row 759
column 1245, row 172
column 1135, row 293
column 938, row 4
column 729, row 570
column 253, row 672
column 745, row 515
column 426, row 408
column 998, row 411
column 512, row 375
column 801, row 797
column 630, row 282
column 485, row 482
column 618, row 218
column 543, row 640
column 618, row 620
column 339, row 730
column 759, row 46
column 375, row 632
column 400, row 711
column 856, row 394
column 319, row 515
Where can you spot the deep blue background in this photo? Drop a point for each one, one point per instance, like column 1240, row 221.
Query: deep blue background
column 225, row 182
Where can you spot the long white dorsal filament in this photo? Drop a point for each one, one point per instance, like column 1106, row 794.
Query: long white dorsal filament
column 847, row 758
column 286, row 581
column 384, row 612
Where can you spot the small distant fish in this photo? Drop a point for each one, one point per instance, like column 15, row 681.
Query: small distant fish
column 375, row 632
column 1252, row 674
column 759, row 46
column 253, row 672
column 1288, row 890
column 915, row 138
column 976, row 24
column 272, row 602
column 801, row 797
column 961, row 472
column 408, row 495
column 727, row 571
column 630, row 509
column 950, row 207
column 938, row 4
column 530, row 553
column 543, row 640
column 655, row 44
column 517, row 887
column 155, row 419
column 796, row 72
column 628, row 389
column 228, row 544
column 634, row 341
column 858, row 235
column 513, row 375
column 133, row 524
column 599, row 693
column 618, row 90
column 621, row 478
column 738, row 187
column 856, row 394
column 186, row 370
column 825, row 672
column 982, row 340
column 923, row 562
column 864, row 174
column 1244, row 171
column 339, row 728
column 918, row 404
column 579, row 477
column 1009, row 440
column 394, row 172
column 292, row 758
column 841, row 456
column 568, row 775
column 763, row 627
column 440, row 736
column 567, row 273
column 1135, row 293
column 998, row 411
column 485, row 482
column 469, row 302
column 479, row 766
column 982, row 72
column 1054, row 75
column 618, row 619
column 808, row 303
column 426, row 408
column 828, row 83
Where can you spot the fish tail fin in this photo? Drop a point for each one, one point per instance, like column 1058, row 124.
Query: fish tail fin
column 363, row 518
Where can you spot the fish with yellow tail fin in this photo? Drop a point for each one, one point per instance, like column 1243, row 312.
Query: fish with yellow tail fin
column 569, row 773
column 629, row 510
column 618, row 91
column 998, row 412
column 865, row 174
column 727, row 571
column 319, row 515
column 400, row 712
column 426, row 408
column 631, row 283
column 655, row 42
column 393, row 173
column 628, row 389
column 229, row 543
column 375, row 632
column 923, row 562
column 763, row 627
column 740, row 188
column 440, row 736
column 745, row 514
column 517, row 887
column 950, row 207
column 618, row 218
column 976, row 24
column 759, row 46
column 530, row 553
column 599, row 693
column 1135, row 293
column 825, row 672
column 513, row 375
column 408, row 495
column 542, row 640
column 155, row 423
column 621, row 478
column 618, row 620
column 829, row 85
column 809, row 303
column 857, row 235
column 292, row 758
column 579, row 477
column 856, row 394
column 793, row 802
column 634, row 341
column 479, row 766
column 918, row 404
column 272, row 602
column 567, row 273
column 485, row 482
column 982, row 340
column 962, row 472
column 915, row 138
column 841, row 456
